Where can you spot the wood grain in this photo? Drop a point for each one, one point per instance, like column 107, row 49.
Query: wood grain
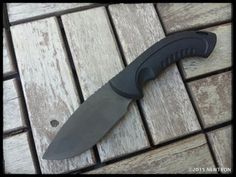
column 166, row 106
column 17, row 155
column 212, row 96
column 20, row 11
column 176, row 158
column 48, row 87
column 221, row 141
column 220, row 58
column 8, row 66
column 13, row 116
column 97, row 60
column 182, row 16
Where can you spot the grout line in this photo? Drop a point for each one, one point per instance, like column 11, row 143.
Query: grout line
column 57, row 13
column 20, row 89
column 75, row 77
column 143, row 120
column 202, row 76
column 198, row 116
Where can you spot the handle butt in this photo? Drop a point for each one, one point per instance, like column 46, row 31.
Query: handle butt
column 149, row 64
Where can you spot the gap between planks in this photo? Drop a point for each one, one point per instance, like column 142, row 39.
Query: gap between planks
column 10, row 76
column 57, row 14
column 203, row 26
column 208, row 74
column 15, row 132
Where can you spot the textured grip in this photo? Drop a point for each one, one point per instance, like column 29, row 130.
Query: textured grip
column 149, row 64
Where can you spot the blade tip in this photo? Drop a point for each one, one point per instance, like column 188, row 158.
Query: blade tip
column 46, row 157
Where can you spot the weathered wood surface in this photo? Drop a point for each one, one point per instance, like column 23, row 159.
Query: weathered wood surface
column 20, row 11
column 13, row 116
column 166, row 105
column 17, row 155
column 212, row 96
column 182, row 16
column 221, row 141
column 177, row 158
column 8, row 66
column 220, row 58
column 97, row 60
column 49, row 89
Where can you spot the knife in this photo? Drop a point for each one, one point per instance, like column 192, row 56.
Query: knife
column 102, row 110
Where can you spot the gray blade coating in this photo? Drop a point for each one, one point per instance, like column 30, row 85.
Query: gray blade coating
column 88, row 124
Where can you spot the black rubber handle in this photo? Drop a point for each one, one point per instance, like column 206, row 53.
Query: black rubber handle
column 149, row 64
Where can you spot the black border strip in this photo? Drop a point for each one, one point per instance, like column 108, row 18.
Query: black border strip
column 99, row 164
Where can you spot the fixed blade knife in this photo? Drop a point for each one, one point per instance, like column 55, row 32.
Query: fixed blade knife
column 102, row 110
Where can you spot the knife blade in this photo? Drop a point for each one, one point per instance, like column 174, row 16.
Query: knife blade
column 102, row 110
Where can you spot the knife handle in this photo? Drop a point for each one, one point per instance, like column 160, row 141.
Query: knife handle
column 149, row 64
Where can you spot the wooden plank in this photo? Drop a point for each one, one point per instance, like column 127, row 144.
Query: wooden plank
column 20, row 11
column 212, row 96
column 221, row 141
column 48, row 86
column 97, row 60
column 220, row 58
column 177, row 158
column 182, row 16
column 166, row 105
column 8, row 66
column 17, row 155
column 13, row 117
